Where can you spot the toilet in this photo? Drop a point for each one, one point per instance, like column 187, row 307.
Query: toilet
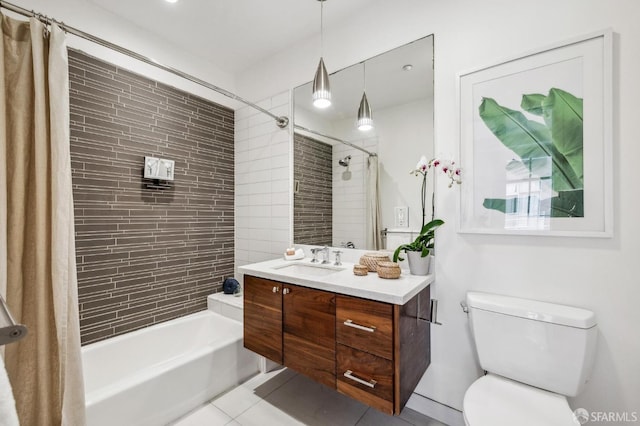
column 535, row 354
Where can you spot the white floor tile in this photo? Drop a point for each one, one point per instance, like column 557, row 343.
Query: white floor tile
column 285, row 398
column 207, row 415
column 314, row 404
column 265, row 414
column 376, row 418
column 236, row 401
column 263, row 384
column 241, row 398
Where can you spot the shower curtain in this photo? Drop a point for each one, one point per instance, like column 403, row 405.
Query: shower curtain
column 37, row 248
column 374, row 237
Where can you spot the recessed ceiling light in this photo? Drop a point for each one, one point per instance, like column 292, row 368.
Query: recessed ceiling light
column 171, row 1
column 407, row 67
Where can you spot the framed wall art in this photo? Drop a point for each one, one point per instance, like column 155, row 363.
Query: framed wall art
column 536, row 142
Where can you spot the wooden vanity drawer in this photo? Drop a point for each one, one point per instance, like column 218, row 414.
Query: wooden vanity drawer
column 365, row 325
column 366, row 377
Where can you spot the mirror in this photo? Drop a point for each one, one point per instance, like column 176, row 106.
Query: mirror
column 333, row 196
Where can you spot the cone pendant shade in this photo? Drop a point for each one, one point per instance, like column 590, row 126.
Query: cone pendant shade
column 321, row 90
column 365, row 120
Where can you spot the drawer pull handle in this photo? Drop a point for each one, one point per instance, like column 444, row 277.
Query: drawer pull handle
column 275, row 289
column 350, row 323
column 349, row 375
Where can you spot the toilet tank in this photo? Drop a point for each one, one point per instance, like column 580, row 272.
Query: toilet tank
column 542, row 344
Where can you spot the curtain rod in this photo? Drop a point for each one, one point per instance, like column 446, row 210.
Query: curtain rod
column 281, row 121
column 304, row 129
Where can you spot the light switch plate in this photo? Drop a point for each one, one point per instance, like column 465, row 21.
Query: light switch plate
column 401, row 217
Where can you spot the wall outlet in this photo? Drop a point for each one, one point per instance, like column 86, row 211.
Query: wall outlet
column 401, row 217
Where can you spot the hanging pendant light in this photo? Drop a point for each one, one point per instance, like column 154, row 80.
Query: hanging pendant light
column 321, row 90
column 365, row 120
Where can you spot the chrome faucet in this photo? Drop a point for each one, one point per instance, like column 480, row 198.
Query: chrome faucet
column 314, row 252
column 325, row 254
column 337, row 253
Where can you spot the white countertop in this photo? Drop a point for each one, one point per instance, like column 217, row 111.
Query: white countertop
column 398, row 291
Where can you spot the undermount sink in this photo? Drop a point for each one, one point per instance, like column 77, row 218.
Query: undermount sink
column 313, row 270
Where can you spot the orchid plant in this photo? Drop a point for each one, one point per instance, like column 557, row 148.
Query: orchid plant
column 424, row 241
column 454, row 174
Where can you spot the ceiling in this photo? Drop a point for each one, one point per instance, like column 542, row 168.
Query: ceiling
column 233, row 34
column 238, row 34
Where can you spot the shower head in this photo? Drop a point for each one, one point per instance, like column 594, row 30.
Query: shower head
column 345, row 161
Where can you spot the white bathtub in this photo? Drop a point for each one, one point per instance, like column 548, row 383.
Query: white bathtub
column 155, row 375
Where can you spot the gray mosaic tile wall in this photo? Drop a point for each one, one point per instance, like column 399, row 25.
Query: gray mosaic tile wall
column 313, row 202
column 146, row 255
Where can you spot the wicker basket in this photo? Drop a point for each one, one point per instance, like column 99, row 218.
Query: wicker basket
column 360, row 270
column 371, row 260
column 389, row 270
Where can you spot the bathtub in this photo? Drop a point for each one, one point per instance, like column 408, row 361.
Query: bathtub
column 155, row 375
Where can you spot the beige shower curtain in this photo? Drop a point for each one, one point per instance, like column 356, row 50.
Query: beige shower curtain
column 37, row 249
column 374, row 235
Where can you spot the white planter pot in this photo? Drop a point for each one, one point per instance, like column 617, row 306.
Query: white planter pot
column 418, row 265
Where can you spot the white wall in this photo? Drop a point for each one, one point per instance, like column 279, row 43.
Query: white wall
column 406, row 133
column 592, row 273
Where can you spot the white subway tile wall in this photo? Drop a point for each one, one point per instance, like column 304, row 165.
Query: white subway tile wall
column 263, row 181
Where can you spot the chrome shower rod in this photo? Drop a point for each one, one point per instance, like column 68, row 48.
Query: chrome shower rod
column 281, row 121
column 352, row 145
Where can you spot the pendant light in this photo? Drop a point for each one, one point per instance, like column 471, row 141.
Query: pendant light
column 321, row 90
column 365, row 120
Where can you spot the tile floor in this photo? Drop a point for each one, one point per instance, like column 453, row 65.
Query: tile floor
column 283, row 398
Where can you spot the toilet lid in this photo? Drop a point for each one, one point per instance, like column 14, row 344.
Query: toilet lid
column 496, row 401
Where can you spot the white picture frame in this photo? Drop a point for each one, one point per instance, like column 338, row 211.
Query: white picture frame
column 536, row 142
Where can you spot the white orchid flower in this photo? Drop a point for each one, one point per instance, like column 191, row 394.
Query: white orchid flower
column 423, row 164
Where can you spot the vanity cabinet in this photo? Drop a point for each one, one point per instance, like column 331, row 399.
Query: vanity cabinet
column 263, row 317
column 375, row 352
column 309, row 331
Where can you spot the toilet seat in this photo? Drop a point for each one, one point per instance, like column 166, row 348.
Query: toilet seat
column 497, row 401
